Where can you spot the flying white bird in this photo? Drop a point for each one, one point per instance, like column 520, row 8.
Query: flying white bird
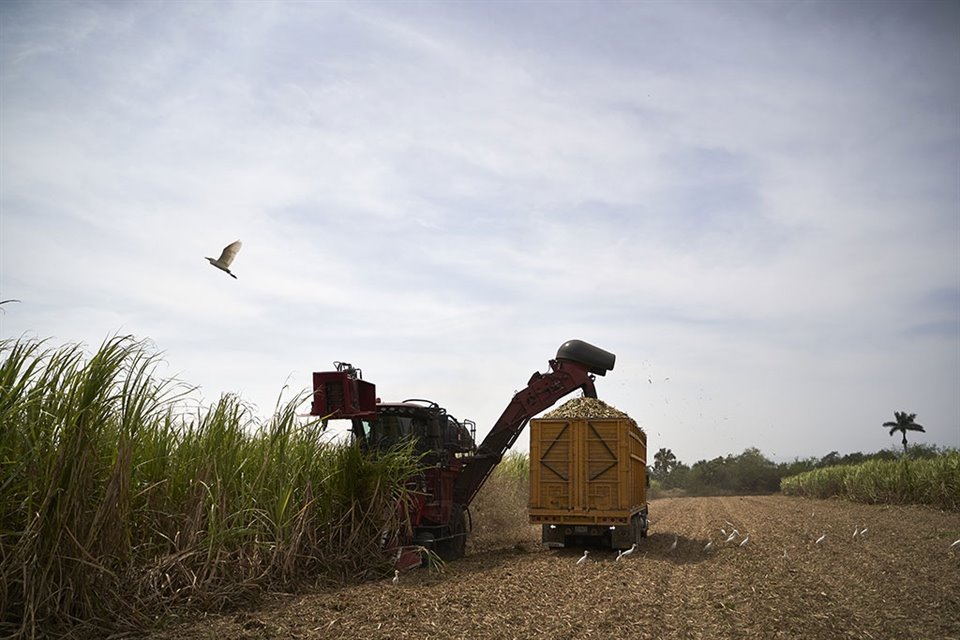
column 226, row 257
column 674, row 545
column 624, row 554
column 745, row 541
column 856, row 531
column 396, row 576
column 955, row 544
column 863, row 531
column 821, row 538
column 731, row 537
column 708, row 546
column 723, row 531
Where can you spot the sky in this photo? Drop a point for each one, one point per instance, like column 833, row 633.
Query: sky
column 754, row 205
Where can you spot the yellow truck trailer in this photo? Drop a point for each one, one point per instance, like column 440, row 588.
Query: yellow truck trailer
column 588, row 481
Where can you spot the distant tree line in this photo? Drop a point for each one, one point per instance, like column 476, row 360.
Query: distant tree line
column 751, row 472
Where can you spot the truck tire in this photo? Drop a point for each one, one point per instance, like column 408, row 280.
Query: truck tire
column 639, row 523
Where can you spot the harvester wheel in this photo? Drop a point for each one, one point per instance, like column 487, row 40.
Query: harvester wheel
column 454, row 546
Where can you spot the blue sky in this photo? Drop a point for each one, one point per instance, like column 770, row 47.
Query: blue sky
column 759, row 201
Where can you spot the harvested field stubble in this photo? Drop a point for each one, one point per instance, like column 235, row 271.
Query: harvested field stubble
column 900, row 580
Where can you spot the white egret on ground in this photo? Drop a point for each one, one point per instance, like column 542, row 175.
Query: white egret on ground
column 396, row 576
column 624, row 554
column 821, row 538
column 226, row 257
column 674, row 545
column 786, row 556
column 583, row 558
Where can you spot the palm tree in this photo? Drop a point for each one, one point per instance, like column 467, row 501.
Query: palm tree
column 904, row 422
column 664, row 461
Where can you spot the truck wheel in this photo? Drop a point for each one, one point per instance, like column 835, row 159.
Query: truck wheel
column 639, row 525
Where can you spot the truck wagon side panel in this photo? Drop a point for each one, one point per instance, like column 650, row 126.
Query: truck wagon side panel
column 554, row 483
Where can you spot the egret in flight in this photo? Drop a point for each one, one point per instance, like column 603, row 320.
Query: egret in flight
column 226, row 257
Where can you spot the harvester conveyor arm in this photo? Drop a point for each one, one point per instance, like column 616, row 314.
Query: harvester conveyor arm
column 542, row 391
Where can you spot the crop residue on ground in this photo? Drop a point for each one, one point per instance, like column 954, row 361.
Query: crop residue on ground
column 899, row 580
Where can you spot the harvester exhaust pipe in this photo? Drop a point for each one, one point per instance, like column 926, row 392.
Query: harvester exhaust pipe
column 597, row 360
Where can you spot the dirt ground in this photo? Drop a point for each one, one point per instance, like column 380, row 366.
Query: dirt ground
column 899, row 580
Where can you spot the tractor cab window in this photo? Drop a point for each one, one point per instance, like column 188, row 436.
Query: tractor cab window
column 457, row 437
column 386, row 431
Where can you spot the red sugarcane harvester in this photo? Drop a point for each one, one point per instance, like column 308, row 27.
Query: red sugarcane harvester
column 455, row 468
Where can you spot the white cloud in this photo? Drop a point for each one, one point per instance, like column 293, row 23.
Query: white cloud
column 764, row 211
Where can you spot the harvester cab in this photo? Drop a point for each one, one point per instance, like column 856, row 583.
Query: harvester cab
column 455, row 468
column 344, row 394
column 435, row 434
